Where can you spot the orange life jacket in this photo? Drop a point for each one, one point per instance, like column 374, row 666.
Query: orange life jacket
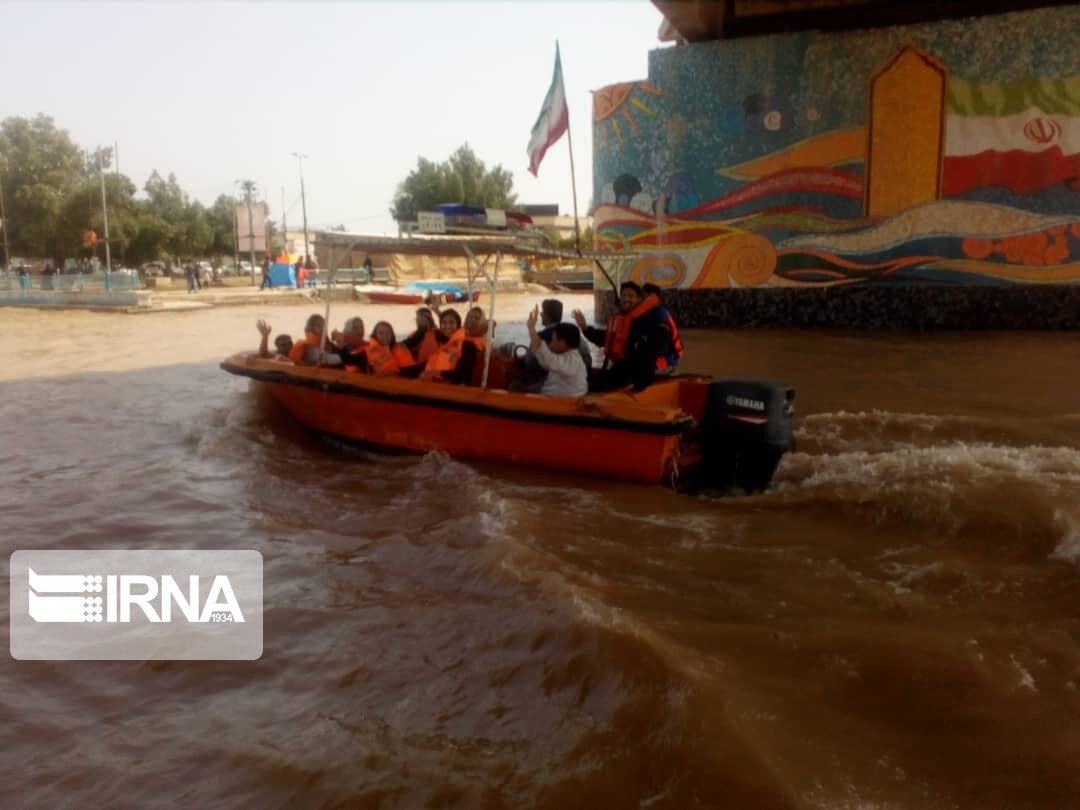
column 385, row 362
column 429, row 344
column 676, row 353
column 618, row 331
column 446, row 357
column 296, row 354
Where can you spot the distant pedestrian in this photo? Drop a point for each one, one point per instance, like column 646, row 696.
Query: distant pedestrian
column 192, row 281
column 266, row 283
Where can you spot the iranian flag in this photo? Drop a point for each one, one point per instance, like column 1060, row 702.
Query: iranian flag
column 1022, row 135
column 554, row 118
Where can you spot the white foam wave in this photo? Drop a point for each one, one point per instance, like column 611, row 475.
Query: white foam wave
column 940, row 466
column 1068, row 549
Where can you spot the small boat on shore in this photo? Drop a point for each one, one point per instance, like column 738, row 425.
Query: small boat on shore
column 414, row 295
column 689, row 433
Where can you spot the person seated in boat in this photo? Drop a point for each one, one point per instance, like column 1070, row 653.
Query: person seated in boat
column 385, row 356
column 524, row 372
column 310, row 350
column 424, row 342
column 351, row 345
column 632, row 341
column 460, row 352
column 551, row 312
column 282, row 343
column 668, row 361
column 560, row 358
column 449, row 330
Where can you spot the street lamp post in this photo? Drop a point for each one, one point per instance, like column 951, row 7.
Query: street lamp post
column 4, row 224
column 303, row 204
column 105, row 215
column 249, row 187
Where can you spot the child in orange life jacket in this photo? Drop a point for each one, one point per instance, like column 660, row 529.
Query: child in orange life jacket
column 632, row 341
column 385, row 356
column 282, row 343
column 672, row 352
column 424, row 342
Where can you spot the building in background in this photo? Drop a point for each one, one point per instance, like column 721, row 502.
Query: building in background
column 547, row 216
column 294, row 242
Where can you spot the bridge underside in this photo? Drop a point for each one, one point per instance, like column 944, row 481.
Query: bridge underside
column 703, row 20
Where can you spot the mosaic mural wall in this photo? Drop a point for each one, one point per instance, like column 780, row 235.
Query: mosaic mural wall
column 939, row 153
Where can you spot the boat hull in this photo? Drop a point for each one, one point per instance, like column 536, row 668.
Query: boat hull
column 594, row 436
column 421, row 429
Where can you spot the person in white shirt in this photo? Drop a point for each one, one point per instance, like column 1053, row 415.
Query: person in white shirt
column 566, row 376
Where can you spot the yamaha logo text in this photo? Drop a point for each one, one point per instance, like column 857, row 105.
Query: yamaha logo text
column 743, row 402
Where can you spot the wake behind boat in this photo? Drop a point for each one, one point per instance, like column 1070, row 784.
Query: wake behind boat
column 689, row 433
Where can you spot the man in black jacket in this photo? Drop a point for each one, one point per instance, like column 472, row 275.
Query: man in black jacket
column 632, row 341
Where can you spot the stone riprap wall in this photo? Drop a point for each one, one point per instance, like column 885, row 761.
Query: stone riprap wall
column 86, row 299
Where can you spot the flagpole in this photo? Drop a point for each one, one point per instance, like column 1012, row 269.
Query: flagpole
column 573, row 182
column 570, row 146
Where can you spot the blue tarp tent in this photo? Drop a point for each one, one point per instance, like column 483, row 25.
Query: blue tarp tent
column 282, row 273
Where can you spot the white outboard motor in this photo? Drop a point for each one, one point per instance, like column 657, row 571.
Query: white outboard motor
column 746, row 429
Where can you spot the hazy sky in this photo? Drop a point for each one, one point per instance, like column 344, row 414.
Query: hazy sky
column 219, row 91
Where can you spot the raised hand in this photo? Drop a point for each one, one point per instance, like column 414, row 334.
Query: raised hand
column 263, row 327
column 579, row 319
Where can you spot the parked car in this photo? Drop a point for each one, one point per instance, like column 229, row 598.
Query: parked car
column 153, row 269
column 245, row 268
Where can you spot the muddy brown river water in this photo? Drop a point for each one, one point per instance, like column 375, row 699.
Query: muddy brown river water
column 895, row 625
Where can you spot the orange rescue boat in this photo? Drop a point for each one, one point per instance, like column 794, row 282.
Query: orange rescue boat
column 690, row 433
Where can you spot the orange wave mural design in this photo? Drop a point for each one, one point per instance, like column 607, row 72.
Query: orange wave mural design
column 830, row 149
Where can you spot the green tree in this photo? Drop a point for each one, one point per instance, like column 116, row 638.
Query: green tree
column 150, row 235
column 220, row 216
column 463, row 179
column 41, row 166
column 81, row 212
column 184, row 226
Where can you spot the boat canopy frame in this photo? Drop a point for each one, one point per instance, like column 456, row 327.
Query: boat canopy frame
column 337, row 242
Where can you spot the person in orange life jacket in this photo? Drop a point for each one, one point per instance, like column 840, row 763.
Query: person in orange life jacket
column 424, row 342
column 670, row 355
column 449, row 328
column 632, row 341
column 307, row 351
column 462, row 353
column 282, row 343
column 385, row 356
column 476, row 334
column 352, row 345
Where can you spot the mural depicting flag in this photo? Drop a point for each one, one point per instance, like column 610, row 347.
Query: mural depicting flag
column 1021, row 135
column 553, row 120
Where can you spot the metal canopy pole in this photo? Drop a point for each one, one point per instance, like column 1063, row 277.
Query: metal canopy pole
column 480, row 271
column 491, row 321
column 468, row 275
column 326, row 318
column 614, row 286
